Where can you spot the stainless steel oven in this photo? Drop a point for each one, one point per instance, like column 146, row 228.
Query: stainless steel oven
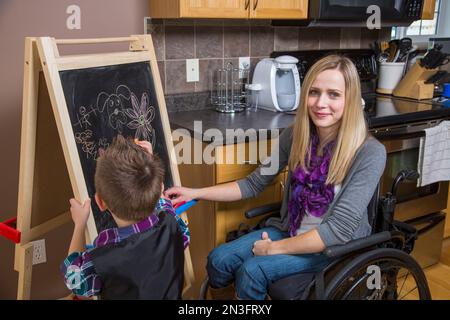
column 402, row 146
column 419, row 206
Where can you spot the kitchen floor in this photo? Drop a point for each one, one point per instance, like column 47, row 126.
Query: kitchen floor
column 438, row 276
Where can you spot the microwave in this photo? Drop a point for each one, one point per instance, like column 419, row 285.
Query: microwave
column 342, row 13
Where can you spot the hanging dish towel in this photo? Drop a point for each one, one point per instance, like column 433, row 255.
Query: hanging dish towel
column 434, row 155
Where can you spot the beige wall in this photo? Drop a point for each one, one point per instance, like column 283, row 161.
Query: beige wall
column 18, row 19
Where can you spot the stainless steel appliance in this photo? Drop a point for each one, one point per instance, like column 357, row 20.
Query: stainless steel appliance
column 357, row 12
column 421, row 207
column 399, row 124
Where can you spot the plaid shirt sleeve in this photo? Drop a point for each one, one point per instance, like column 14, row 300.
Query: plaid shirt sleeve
column 166, row 205
column 79, row 274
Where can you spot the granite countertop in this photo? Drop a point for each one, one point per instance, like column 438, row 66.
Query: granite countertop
column 220, row 128
column 217, row 128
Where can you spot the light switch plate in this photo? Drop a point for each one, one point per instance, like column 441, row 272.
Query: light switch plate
column 192, row 72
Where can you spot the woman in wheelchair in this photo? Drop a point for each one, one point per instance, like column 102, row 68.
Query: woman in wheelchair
column 334, row 170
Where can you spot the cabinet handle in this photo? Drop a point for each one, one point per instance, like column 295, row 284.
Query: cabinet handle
column 282, row 186
column 247, row 4
column 255, row 4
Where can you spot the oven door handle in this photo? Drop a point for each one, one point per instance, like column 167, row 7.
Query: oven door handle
column 399, row 136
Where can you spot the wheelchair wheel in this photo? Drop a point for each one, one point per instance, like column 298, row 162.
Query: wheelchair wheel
column 381, row 274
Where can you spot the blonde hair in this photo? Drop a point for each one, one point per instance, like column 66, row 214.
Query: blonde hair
column 352, row 130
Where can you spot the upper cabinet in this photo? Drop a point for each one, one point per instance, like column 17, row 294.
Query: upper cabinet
column 278, row 9
column 429, row 7
column 229, row 9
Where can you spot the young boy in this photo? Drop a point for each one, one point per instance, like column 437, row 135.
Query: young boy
column 144, row 257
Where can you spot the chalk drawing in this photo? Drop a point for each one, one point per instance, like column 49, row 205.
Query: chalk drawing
column 120, row 109
column 141, row 115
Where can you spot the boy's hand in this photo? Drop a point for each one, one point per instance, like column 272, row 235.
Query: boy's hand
column 80, row 212
column 147, row 146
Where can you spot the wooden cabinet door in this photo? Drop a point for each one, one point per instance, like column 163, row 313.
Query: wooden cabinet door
column 229, row 215
column 429, row 7
column 278, row 9
column 214, row 8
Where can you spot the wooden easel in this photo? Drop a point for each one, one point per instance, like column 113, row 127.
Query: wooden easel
column 50, row 168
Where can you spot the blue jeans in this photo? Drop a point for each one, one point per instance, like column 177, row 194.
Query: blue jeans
column 252, row 274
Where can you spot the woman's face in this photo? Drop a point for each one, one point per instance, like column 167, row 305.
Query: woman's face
column 326, row 101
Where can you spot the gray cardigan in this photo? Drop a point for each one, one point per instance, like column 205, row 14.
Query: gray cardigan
column 346, row 218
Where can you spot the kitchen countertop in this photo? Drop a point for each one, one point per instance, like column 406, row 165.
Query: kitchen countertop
column 219, row 128
column 256, row 123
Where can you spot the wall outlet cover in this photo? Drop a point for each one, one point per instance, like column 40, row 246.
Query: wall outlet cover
column 244, row 64
column 39, row 253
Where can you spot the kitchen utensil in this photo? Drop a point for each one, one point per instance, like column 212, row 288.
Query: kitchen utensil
column 435, row 58
column 393, row 50
column 436, row 77
column 410, row 55
column 405, row 46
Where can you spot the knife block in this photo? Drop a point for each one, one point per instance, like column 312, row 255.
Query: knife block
column 413, row 84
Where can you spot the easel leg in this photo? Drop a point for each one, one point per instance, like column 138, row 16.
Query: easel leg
column 25, row 271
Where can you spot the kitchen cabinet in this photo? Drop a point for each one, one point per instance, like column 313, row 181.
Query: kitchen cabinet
column 447, row 218
column 229, row 9
column 429, row 6
column 209, row 222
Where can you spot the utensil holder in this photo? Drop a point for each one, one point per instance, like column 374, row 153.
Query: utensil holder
column 228, row 93
column 413, row 84
column 390, row 74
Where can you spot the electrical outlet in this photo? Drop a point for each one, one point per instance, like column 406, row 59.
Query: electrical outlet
column 192, row 74
column 39, row 254
column 244, row 64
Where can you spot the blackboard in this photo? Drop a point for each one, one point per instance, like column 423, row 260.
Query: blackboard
column 106, row 101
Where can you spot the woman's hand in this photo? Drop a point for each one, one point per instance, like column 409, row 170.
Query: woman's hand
column 80, row 212
column 180, row 194
column 261, row 247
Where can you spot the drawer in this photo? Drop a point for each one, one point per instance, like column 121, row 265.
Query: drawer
column 238, row 160
column 229, row 215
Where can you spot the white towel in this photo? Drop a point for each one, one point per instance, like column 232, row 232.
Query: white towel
column 434, row 155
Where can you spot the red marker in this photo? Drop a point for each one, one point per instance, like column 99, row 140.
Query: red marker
column 179, row 204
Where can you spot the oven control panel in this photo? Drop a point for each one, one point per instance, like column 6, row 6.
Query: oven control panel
column 414, row 9
column 363, row 59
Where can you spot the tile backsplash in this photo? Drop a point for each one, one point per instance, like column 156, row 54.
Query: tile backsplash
column 217, row 42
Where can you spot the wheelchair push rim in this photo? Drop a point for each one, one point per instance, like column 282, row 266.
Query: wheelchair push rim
column 381, row 274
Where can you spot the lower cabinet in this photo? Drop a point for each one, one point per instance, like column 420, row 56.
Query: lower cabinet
column 209, row 222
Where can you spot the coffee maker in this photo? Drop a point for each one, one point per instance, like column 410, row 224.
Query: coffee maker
column 280, row 83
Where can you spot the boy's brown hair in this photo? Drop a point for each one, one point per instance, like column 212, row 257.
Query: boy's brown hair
column 129, row 179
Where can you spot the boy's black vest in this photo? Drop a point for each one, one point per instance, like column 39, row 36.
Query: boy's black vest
column 147, row 265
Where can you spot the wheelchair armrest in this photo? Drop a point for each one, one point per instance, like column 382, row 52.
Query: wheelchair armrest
column 340, row 250
column 259, row 211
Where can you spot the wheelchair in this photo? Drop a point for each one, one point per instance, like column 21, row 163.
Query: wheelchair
column 377, row 267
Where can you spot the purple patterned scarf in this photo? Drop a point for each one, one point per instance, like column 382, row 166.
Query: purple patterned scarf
column 309, row 191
